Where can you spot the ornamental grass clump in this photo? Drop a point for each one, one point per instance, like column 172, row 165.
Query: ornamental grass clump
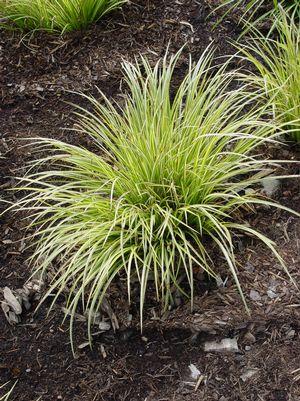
column 54, row 15
column 167, row 184
column 277, row 70
column 252, row 8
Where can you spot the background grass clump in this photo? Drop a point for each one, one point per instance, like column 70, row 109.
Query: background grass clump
column 277, row 70
column 54, row 15
column 252, row 9
column 171, row 176
column 253, row 6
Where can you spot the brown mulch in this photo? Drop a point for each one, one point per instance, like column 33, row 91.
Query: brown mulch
column 39, row 78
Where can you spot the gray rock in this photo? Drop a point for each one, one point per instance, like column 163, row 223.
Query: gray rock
column 225, row 345
column 255, row 296
column 270, row 186
column 248, row 373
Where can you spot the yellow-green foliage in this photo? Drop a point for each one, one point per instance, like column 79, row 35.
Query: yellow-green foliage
column 252, row 7
column 277, row 75
column 168, row 178
column 55, row 15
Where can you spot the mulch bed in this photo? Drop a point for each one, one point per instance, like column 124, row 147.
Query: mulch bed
column 39, row 79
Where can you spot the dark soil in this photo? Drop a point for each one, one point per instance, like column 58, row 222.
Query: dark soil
column 38, row 78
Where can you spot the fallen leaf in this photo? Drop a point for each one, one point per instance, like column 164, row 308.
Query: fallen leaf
column 12, row 301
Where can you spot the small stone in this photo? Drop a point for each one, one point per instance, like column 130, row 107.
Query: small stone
column 270, row 186
column 249, row 267
column 104, row 326
column 290, row 334
column 247, row 348
column 226, row 345
column 272, row 294
column 249, row 338
column 195, row 372
column 248, row 373
column 255, row 296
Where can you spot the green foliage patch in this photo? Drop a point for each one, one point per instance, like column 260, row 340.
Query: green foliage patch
column 172, row 174
column 55, row 15
column 252, row 7
column 277, row 70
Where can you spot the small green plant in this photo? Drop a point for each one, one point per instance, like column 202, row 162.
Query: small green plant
column 170, row 176
column 55, row 15
column 277, row 75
